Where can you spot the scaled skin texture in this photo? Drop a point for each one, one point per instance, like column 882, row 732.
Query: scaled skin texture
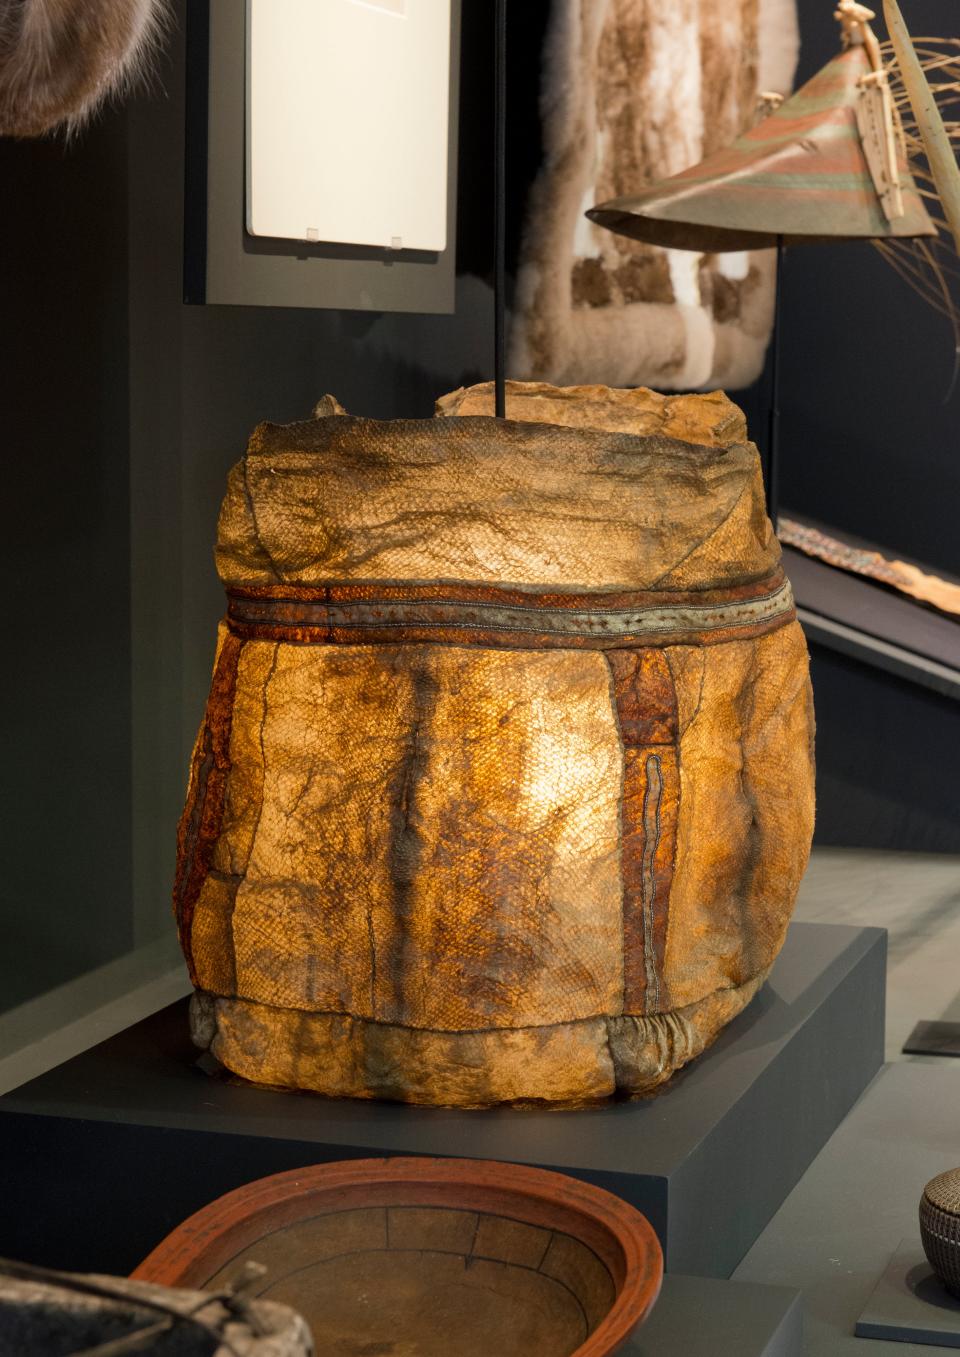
column 505, row 786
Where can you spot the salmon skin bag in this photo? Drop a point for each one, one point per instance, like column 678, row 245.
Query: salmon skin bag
column 504, row 788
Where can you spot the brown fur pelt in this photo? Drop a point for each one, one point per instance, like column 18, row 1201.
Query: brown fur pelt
column 633, row 91
column 60, row 59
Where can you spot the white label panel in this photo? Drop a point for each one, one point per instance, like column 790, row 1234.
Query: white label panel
column 347, row 113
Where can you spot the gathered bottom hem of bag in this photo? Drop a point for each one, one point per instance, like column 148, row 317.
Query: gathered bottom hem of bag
column 567, row 1063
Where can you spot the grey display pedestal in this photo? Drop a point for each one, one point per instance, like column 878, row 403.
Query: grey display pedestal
column 933, row 1038
column 134, row 1123
column 835, row 1234
column 704, row 1317
column 910, row 1304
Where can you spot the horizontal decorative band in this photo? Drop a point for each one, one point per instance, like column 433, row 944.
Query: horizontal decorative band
column 486, row 615
column 503, row 595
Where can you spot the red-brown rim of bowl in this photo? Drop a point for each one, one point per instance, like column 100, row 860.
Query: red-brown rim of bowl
column 616, row 1232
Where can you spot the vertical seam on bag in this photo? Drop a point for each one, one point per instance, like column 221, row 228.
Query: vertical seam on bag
column 651, row 843
column 202, row 817
column 648, row 728
column 615, row 706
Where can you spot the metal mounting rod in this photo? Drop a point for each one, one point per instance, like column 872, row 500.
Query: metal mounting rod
column 773, row 424
column 500, row 210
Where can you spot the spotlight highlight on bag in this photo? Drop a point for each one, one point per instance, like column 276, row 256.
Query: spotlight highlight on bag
column 504, row 788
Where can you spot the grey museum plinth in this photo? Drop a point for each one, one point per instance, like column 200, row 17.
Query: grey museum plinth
column 709, row 1161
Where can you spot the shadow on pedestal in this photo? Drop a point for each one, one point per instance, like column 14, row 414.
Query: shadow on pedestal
column 910, row 1304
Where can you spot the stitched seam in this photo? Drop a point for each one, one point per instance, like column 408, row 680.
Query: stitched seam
column 379, row 624
column 652, row 798
column 747, row 601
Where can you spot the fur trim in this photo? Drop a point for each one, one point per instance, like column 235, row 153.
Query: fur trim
column 635, row 90
column 61, row 59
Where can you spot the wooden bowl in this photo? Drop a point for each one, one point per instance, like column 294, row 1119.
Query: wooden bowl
column 429, row 1256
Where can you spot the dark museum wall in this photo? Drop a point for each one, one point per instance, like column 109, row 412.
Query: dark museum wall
column 123, row 410
column 870, row 432
column 65, row 558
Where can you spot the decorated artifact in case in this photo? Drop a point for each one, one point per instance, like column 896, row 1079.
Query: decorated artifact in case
column 505, row 784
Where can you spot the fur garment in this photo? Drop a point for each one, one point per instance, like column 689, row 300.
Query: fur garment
column 634, row 91
column 60, row 59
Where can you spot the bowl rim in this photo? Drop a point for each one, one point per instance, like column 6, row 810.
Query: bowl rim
column 619, row 1234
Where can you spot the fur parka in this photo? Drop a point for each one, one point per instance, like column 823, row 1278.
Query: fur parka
column 60, row 59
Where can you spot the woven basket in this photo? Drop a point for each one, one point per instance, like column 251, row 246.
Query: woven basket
column 940, row 1227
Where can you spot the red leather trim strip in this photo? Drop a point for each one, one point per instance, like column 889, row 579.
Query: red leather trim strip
column 505, row 596
column 199, row 825
column 646, row 705
column 411, row 634
column 458, row 614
